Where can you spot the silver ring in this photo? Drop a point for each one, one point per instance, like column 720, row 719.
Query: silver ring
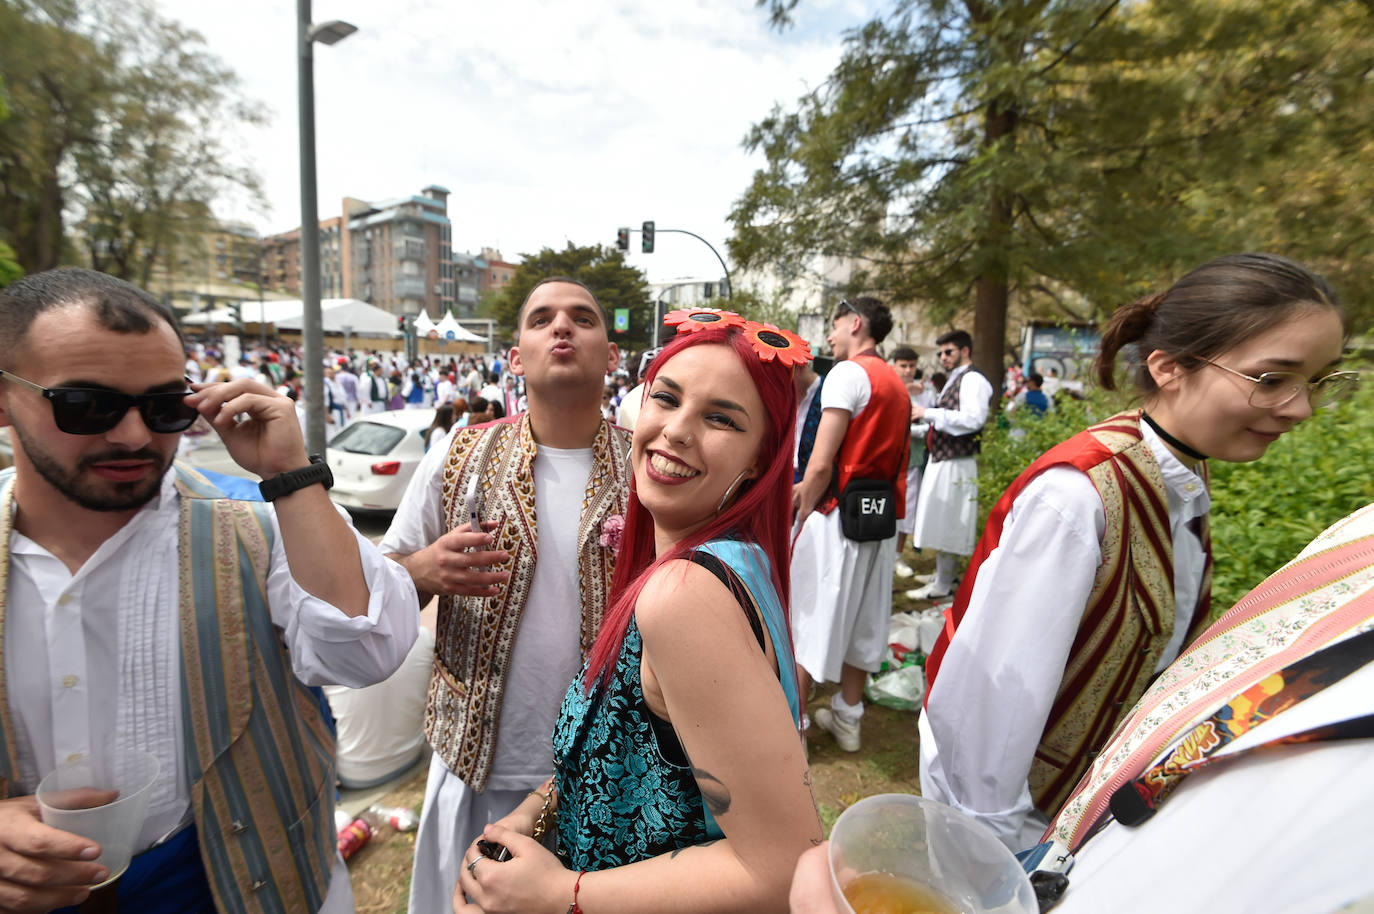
column 471, row 871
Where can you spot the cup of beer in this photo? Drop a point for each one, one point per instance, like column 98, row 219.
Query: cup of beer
column 901, row 854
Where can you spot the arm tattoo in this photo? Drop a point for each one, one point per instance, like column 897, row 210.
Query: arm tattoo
column 714, row 793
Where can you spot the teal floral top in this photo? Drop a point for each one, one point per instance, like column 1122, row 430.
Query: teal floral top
column 625, row 789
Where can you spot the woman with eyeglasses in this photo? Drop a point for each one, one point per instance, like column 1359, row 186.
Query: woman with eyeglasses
column 1094, row 568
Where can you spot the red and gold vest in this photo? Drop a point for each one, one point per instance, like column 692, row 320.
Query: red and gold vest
column 1129, row 617
column 877, row 441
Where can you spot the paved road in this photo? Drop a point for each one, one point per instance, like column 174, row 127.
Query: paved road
column 212, row 455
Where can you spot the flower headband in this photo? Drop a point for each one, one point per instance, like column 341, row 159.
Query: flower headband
column 769, row 342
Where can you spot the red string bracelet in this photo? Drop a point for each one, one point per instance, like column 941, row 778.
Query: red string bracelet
column 573, row 908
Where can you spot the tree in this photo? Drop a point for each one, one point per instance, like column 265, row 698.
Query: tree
column 1067, row 155
column 119, row 142
column 615, row 284
column 9, row 267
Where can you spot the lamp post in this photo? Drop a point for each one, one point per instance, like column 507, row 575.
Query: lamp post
column 312, row 324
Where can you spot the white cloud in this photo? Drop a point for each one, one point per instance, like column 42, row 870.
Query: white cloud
column 548, row 121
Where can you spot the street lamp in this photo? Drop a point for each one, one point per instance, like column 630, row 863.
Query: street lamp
column 312, row 329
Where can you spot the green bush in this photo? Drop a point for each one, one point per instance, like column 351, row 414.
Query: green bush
column 1263, row 513
column 1011, row 442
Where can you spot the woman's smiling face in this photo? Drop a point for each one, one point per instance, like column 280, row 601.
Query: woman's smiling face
column 1209, row 407
column 697, row 437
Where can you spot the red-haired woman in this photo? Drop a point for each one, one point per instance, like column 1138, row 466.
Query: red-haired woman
column 681, row 778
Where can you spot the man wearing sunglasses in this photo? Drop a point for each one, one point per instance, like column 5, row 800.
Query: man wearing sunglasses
column 947, row 508
column 141, row 610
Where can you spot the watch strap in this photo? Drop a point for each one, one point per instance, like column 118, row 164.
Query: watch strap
column 294, row 480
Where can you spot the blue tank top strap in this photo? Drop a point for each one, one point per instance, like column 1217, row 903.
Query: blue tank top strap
column 750, row 563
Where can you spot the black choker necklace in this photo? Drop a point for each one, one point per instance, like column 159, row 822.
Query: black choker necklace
column 1170, row 439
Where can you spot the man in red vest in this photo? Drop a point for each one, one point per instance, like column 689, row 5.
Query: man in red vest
column 842, row 588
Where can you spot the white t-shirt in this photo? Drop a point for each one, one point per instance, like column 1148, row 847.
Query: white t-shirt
column 846, row 388
column 547, row 653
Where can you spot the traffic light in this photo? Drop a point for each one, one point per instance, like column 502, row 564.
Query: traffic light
column 647, row 242
column 622, row 238
column 401, row 322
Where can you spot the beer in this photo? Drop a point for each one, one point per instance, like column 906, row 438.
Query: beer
column 882, row 893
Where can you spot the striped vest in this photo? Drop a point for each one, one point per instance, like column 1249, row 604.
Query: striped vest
column 1129, row 616
column 258, row 754
column 475, row 636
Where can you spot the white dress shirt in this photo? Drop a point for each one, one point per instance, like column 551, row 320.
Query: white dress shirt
column 93, row 659
column 999, row 677
column 975, row 393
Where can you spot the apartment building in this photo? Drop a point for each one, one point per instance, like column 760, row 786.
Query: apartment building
column 395, row 254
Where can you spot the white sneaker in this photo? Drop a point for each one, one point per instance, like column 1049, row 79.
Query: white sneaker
column 924, row 578
column 846, row 734
column 929, row 592
column 903, row 570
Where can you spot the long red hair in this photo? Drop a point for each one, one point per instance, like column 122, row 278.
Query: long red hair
column 762, row 512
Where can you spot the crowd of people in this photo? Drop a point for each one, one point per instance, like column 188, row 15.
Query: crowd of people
column 640, row 578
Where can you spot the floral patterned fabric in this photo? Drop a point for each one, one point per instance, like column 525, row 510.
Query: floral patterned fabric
column 619, row 799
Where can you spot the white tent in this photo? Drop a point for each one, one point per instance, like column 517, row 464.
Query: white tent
column 338, row 315
column 424, row 327
column 450, row 329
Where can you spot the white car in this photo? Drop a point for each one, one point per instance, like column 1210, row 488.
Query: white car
column 374, row 456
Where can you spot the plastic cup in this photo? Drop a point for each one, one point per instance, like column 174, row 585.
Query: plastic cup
column 928, row 843
column 104, row 798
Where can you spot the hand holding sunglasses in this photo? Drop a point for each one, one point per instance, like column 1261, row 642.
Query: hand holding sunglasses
column 259, row 428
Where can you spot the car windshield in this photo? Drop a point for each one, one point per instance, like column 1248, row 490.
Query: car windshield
column 368, row 438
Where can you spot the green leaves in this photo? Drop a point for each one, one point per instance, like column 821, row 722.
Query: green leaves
column 1073, row 153
column 119, row 136
column 603, row 269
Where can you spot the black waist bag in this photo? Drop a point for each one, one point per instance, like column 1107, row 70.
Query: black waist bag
column 868, row 510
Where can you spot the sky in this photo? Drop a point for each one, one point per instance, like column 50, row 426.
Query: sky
column 549, row 122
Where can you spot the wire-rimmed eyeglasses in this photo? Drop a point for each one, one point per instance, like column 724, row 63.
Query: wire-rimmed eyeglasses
column 1275, row 388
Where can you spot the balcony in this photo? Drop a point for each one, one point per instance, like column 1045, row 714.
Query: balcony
column 409, row 288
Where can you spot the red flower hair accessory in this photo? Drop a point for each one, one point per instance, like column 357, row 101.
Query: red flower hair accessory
column 690, row 320
column 775, row 343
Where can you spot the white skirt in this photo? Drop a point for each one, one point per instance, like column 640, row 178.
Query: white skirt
column 947, row 511
column 907, row 522
column 841, row 598
column 453, row 817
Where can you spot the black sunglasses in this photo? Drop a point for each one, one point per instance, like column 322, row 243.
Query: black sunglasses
column 94, row 411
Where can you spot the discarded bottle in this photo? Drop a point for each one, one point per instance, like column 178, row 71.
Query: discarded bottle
column 400, row 818
column 353, row 836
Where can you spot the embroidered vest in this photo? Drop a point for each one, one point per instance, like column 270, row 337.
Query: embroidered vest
column 258, row 754
column 475, row 636
column 877, row 441
column 1315, row 600
column 1129, row 616
column 944, row 446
